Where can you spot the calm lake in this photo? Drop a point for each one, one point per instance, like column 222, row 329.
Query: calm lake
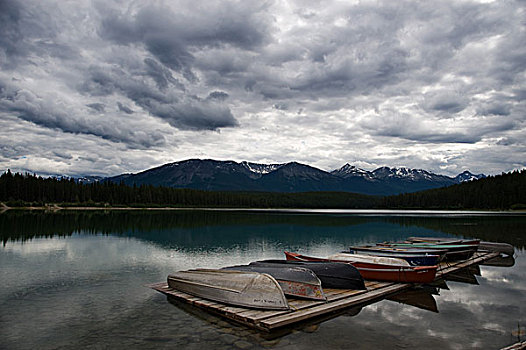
column 77, row 279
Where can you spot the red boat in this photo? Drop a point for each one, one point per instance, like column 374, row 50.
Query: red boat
column 381, row 272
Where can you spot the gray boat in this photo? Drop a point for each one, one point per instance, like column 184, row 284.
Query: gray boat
column 239, row 288
column 297, row 282
column 331, row 274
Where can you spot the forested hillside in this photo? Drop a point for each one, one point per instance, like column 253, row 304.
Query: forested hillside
column 506, row 191
column 25, row 189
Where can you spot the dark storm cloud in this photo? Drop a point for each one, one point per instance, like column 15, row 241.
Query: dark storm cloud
column 29, row 107
column 62, row 155
column 427, row 136
column 179, row 110
column 27, row 32
column 124, row 109
column 194, row 114
column 495, row 109
column 10, row 31
column 169, row 35
column 99, row 107
column 281, row 106
column 162, row 75
column 218, row 95
column 445, row 101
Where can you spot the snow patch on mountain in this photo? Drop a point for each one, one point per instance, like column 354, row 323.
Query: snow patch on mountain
column 468, row 176
column 349, row 170
column 261, row 169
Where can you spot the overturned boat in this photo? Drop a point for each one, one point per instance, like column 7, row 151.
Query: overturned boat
column 331, row 274
column 498, row 247
column 373, row 259
column 295, row 281
column 239, row 288
column 453, row 251
column 381, row 272
column 443, row 240
column 419, row 258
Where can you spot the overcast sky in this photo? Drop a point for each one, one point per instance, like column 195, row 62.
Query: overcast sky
column 113, row 86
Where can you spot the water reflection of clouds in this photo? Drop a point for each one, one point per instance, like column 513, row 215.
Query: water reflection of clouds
column 46, row 246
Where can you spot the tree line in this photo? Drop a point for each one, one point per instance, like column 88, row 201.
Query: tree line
column 505, row 191
column 30, row 190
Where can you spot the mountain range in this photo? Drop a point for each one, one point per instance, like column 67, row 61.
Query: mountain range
column 214, row 175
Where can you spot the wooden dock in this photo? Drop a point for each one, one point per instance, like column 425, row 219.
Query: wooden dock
column 303, row 310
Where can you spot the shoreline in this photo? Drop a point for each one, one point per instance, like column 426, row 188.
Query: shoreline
column 413, row 211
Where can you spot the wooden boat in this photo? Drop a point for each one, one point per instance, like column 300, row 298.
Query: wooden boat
column 348, row 257
column 394, row 251
column 443, row 240
column 425, row 245
column 504, row 248
column 379, row 272
column 246, row 289
column 454, row 251
column 294, row 281
column 422, row 259
column 331, row 274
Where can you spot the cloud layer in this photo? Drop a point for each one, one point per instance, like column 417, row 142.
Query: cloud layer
column 108, row 87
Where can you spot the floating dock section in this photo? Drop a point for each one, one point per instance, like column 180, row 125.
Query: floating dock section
column 303, row 310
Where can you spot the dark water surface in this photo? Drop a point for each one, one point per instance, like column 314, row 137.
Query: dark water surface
column 77, row 280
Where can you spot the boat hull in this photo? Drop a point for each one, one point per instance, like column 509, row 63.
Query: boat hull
column 297, row 282
column 443, row 240
column 379, row 272
column 331, row 275
column 453, row 251
column 448, row 247
column 414, row 260
column 504, row 248
column 246, row 289
column 394, row 251
column 368, row 259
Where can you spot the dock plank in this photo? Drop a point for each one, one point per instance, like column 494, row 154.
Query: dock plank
column 302, row 315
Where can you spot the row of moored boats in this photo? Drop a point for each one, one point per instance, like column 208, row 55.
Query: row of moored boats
column 266, row 284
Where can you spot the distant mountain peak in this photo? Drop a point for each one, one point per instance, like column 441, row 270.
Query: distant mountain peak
column 349, row 170
column 466, row 175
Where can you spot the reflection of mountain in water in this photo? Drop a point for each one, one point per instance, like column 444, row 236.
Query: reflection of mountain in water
column 198, row 228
